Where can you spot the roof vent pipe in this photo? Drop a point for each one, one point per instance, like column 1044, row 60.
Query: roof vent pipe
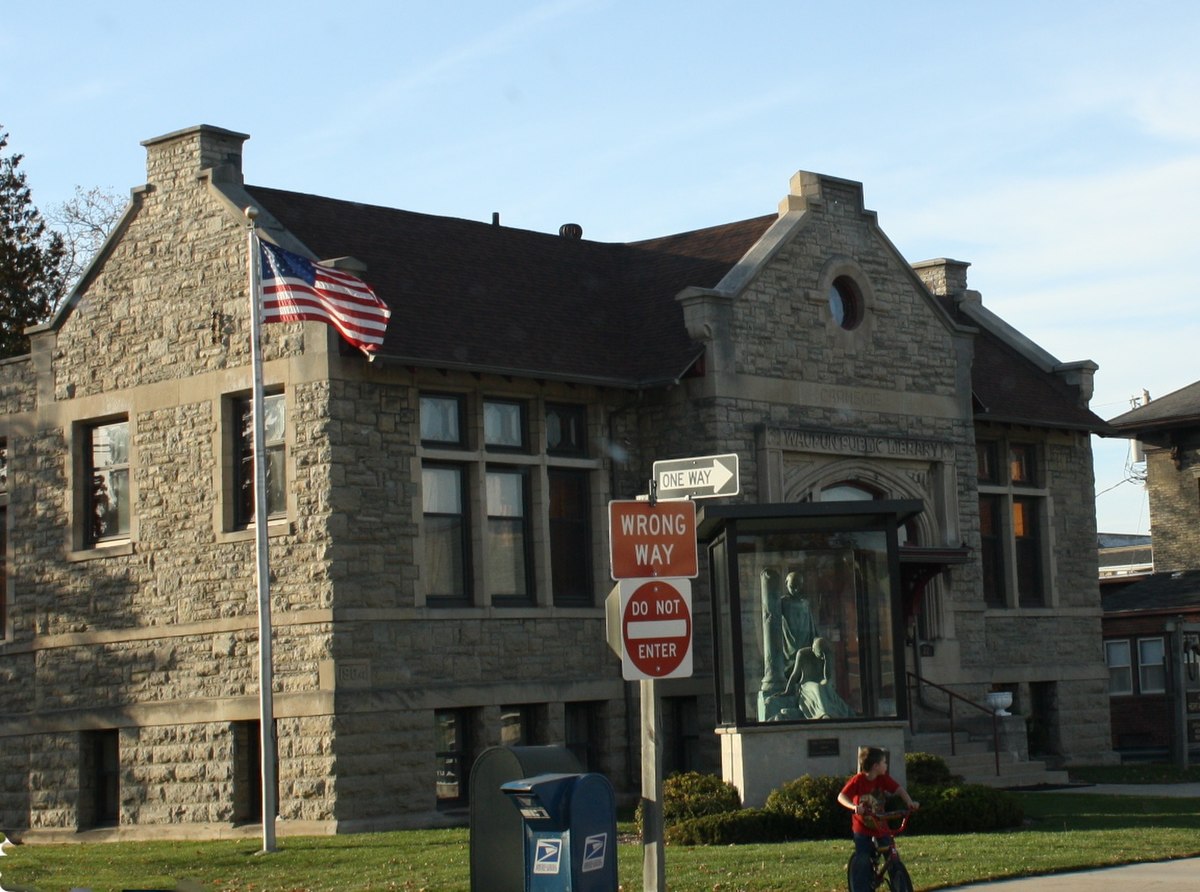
column 495, row 218
column 572, row 231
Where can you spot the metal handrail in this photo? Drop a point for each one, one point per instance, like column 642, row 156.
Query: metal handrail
column 952, row 695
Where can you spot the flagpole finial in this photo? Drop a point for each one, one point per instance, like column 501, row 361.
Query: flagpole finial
column 251, row 212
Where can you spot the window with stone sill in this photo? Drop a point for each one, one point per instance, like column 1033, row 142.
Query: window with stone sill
column 105, row 475
column 1013, row 510
column 242, row 485
column 510, row 520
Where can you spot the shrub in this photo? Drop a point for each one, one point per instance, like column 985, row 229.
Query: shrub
column 968, row 808
column 694, row 795
column 928, row 769
column 747, row 825
column 812, row 802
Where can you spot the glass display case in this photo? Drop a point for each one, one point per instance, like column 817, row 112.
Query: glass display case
column 806, row 610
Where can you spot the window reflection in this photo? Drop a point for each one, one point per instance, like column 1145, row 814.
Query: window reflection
column 108, row 469
column 816, row 626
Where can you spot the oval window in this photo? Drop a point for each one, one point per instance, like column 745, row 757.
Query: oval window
column 845, row 302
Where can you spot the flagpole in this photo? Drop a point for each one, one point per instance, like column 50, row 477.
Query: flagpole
column 265, row 702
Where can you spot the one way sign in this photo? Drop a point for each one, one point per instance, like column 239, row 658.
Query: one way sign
column 704, row 477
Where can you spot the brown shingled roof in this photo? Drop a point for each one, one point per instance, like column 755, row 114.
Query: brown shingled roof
column 1178, row 409
column 1009, row 388
column 492, row 298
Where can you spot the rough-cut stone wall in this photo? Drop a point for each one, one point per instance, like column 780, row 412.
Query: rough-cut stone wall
column 1171, row 479
column 17, row 385
column 897, row 376
column 157, row 636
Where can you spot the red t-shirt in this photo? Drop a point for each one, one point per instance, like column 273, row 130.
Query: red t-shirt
column 859, row 786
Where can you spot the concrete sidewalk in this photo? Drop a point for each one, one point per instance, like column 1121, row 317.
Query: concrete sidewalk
column 1180, row 875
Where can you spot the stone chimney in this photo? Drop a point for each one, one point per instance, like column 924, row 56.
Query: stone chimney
column 178, row 158
column 943, row 277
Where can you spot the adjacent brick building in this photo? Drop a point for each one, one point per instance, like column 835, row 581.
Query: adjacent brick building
column 437, row 529
column 1152, row 658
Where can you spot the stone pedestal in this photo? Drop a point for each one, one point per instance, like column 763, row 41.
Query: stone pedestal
column 1013, row 736
column 758, row 759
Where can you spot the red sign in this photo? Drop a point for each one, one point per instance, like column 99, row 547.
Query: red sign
column 648, row 541
column 656, row 628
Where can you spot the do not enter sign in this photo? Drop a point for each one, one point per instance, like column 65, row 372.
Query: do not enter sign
column 656, row 628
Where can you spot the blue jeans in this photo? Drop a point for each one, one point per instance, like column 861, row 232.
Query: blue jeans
column 864, row 850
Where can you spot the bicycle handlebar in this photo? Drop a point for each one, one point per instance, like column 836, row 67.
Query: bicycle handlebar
column 904, row 814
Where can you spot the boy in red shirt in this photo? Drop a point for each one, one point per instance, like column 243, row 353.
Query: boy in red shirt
column 864, row 794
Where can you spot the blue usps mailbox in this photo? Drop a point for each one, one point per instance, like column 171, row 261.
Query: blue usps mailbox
column 570, row 832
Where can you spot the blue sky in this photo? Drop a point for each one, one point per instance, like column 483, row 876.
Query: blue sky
column 1054, row 146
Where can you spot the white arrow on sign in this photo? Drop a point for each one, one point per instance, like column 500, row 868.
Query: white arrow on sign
column 703, row 477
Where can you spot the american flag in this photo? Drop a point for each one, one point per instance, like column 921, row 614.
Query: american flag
column 294, row 289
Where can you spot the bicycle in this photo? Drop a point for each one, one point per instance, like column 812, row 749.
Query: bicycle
column 887, row 870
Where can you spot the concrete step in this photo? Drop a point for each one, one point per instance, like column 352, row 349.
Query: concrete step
column 940, row 744
column 975, row 761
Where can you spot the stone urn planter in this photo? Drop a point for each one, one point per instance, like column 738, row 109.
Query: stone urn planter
column 999, row 701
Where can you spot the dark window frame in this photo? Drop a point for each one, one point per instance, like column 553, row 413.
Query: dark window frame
column 496, row 524
column 532, row 454
column 571, row 572
column 521, row 446
column 463, row 597
column 1014, row 551
column 459, row 400
column 571, row 417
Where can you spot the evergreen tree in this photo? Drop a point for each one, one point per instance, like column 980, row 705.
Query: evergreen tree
column 31, row 259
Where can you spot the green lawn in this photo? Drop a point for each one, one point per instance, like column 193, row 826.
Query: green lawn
column 1064, row 831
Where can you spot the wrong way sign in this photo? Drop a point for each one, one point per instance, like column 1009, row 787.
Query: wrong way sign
column 646, row 540
column 656, row 628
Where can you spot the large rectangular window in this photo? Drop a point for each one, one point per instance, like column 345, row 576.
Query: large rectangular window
column 570, row 537
column 446, row 532
column 274, row 440
column 1012, row 528
column 507, row 501
column 991, row 550
column 508, row 539
column 1027, row 544
column 106, row 470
